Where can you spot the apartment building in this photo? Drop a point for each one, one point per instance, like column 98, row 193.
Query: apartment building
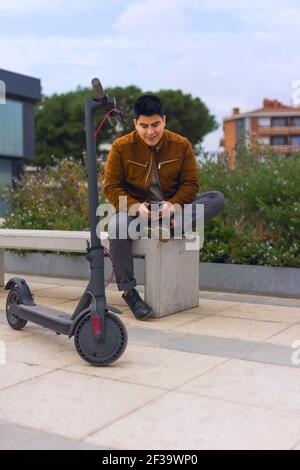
column 274, row 125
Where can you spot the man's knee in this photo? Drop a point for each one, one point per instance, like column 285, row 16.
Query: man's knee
column 219, row 199
column 213, row 202
column 215, row 197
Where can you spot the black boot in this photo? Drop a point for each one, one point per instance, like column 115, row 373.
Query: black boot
column 139, row 308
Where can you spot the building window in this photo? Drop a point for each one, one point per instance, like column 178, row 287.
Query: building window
column 278, row 140
column 264, row 122
column 264, row 140
column 296, row 122
column 11, row 129
column 296, row 139
column 278, row 122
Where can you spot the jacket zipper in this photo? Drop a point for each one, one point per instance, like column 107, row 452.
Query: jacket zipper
column 156, row 173
column 141, row 164
column 148, row 172
column 167, row 161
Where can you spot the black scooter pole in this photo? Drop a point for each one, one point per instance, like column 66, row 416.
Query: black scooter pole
column 90, row 107
column 101, row 100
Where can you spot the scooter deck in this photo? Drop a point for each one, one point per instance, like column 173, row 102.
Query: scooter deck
column 45, row 316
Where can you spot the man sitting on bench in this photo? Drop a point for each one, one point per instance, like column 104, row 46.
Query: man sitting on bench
column 150, row 165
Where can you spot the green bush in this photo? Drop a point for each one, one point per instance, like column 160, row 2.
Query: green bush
column 261, row 221
column 53, row 198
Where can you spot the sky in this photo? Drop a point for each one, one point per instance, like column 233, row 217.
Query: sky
column 229, row 53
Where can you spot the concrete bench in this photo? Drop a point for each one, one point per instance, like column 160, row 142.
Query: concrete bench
column 171, row 272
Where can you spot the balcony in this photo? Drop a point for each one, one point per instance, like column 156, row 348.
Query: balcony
column 268, row 131
column 285, row 149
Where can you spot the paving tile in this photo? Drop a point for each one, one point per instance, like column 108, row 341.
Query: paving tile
column 49, row 301
column 3, row 320
column 8, row 334
column 153, row 366
column 3, row 302
column 184, row 421
column 13, row 373
column 67, row 306
column 259, row 299
column 211, row 345
column 287, row 302
column 72, row 405
column 115, row 298
column 62, row 292
column 263, row 313
column 251, row 383
column 236, row 328
column 286, row 337
column 48, row 350
column 149, row 336
column 209, row 294
column 169, row 322
column 297, row 446
column 15, row 437
column 273, row 354
column 210, row 306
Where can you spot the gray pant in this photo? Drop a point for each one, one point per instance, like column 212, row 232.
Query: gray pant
column 121, row 249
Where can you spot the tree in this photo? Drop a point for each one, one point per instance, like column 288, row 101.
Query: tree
column 187, row 115
column 60, row 120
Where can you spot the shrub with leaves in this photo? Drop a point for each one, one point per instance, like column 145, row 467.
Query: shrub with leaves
column 261, row 221
column 53, row 198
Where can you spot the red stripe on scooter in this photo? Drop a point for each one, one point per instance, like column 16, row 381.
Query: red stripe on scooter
column 97, row 327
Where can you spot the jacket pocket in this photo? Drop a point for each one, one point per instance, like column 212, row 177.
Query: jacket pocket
column 167, row 161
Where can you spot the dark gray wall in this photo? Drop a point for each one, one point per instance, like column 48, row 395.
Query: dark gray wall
column 21, row 86
column 26, row 90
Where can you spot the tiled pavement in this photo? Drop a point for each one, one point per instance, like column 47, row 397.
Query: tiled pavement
column 224, row 375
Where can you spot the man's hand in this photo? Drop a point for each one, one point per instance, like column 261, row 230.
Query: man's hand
column 166, row 209
column 143, row 210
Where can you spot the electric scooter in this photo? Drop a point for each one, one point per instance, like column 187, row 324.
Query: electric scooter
column 100, row 337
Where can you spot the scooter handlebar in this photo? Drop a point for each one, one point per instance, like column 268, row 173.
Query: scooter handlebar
column 96, row 84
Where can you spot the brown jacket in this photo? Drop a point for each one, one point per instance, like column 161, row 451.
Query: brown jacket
column 129, row 164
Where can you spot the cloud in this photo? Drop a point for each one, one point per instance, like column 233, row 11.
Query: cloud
column 144, row 19
column 15, row 8
column 229, row 53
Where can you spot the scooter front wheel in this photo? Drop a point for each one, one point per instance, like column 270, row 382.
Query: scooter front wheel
column 100, row 353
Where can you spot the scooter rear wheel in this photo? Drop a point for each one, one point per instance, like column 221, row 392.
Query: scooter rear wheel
column 100, row 353
column 14, row 297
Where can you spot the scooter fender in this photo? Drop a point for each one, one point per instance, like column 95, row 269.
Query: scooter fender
column 26, row 295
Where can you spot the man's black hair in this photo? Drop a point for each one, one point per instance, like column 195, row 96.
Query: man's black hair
column 147, row 105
